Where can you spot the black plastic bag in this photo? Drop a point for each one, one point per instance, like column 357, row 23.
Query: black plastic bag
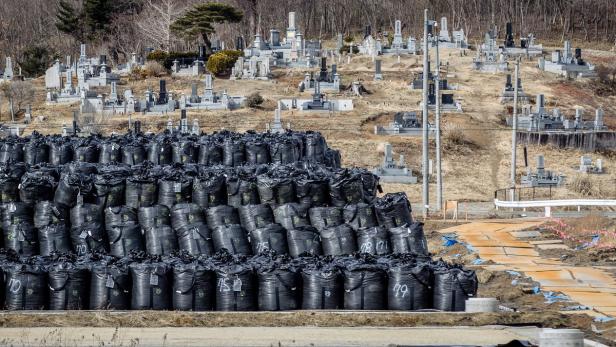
column 133, row 153
column 110, row 152
column 110, row 286
column 325, row 217
column 123, row 231
column 257, row 152
column 346, row 187
column 155, row 221
column 276, row 190
column 140, row 192
column 236, row 288
column 409, row 287
column 60, row 152
column 374, row 240
column 315, row 147
column 73, row 187
column 174, row 191
column 88, row 231
column 36, row 152
column 234, row 152
column 222, row 215
column 25, row 287
column 51, row 222
column 338, row 240
column 291, row 216
column 109, row 185
column 192, row 232
column 409, row 239
column 393, row 210
column 18, row 229
column 231, row 237
column 159, row 152
column 365, row 287
column 86, row 151
column 284, row 150
column 209, row 190
column 359, row 216
column 210, row 153
column 151, row 286
column 271, row 237
column 279, row 289
column 68, row 286
column 253, row 217
column 242, row 189
column 452, row 287
column 194, row 287
column 312, row 191
column 304, row 240
column 10, row 176
column 36, row 186
column 184, row 151
column 11, row 151
column 323, row 288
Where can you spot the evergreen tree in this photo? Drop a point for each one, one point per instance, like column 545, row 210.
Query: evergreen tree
column 68, row 20
column 98, row 15
column 198, row 22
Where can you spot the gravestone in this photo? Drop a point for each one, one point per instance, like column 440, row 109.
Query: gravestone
column 8, row 69
column 587, row 166
column 397, row 43
column 392, row 172
column 378, row 76
column 53, row 76
column 444, row 33
column 542, row 177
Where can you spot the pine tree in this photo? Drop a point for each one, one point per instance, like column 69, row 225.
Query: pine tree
column 198, row 22
column 98, row 15
column 68, row 20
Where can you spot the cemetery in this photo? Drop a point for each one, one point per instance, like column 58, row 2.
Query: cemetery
column 457, row 39
column 272, row 171
column 210, row 100
column 526, row 47
column 540, row 119
column 509, row 91
column 327, row 80
column 394, row 172
column 542, row 177
column 489, row 57
column 567, row 64
column 289, row 50
column 404, row 124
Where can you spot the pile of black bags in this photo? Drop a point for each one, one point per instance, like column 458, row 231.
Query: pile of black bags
column 227, row 282
column 99, row 201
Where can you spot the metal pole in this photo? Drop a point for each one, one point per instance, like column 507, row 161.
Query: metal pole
column 437, row 115
column 424, row 169
column 515, row 124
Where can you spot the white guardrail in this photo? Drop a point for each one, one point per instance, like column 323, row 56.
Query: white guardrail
column 548, row 204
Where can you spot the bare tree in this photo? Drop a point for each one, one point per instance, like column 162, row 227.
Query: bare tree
column 18, row 93
column 156, row 20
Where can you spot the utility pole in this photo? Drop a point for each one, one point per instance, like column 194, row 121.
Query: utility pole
column 424, row 158
column 437, row 116
column 514, row 132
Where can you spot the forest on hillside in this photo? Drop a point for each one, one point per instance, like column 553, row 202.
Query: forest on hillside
column 43, row 29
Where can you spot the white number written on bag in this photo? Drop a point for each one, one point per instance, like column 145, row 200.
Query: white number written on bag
column 401, row 290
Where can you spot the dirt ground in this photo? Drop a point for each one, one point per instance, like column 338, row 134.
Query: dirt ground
column 486, row 141
column 515, row 291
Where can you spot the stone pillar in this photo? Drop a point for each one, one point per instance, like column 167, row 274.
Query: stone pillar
column 599, row 119
column 8, row 70
column 113, row 96
column 378, row 76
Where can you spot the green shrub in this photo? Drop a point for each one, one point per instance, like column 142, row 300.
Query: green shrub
column 35, row 61
column 220, row 63
column 254, row 100
column 166, row 58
